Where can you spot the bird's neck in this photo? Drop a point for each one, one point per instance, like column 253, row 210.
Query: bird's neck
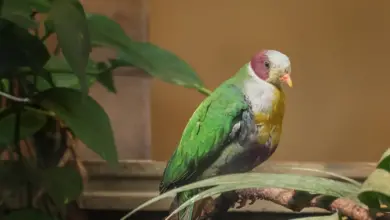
column 259, row 93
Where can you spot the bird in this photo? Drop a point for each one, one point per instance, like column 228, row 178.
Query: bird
column 235, row 129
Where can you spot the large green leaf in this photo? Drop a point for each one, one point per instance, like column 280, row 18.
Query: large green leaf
column 27, row 6
column 315, row 185
column 30, row 122
column 384, row 162
column 376, row 189
column 160, row 63
column 19, row 48
column 73, row 36
column 28, row 214
column 63, row 75
column 106, row 32
column 86, row 118
column 152, row 59
column 64, row 184
column 19, row 11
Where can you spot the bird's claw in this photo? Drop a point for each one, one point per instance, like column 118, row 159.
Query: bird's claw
column 244, row 196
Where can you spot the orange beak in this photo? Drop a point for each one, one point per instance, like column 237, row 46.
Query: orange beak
column 287, row 79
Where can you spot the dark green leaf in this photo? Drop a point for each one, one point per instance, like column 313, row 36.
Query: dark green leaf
column 384, row 162
column 87, row 119
column 311, row 184
column 26, row 6
column 31, row 122
column 64, row 184
column 146, row 56
column 73, row 36
column 42, row 6
column 49, row 27
column 20, row 19
column 106, row 32
column 19, row 48
column 376, row 189
column 161, row 64
column 106, row 78
column 63, row 75
column 19, row 11
column 28, row 214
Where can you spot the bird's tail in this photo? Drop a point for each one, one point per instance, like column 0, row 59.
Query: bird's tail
column 179, row 199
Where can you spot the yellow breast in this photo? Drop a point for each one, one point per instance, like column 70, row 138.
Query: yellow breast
column 270, row 123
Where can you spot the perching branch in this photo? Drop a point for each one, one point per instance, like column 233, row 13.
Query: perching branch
column 14, row 98
column 291, row 199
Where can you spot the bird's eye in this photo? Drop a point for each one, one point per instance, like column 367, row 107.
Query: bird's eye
column 266, row 64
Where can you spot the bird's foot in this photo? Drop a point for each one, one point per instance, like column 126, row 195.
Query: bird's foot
column 246, row 195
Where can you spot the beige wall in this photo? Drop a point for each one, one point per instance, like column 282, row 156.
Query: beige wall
column 339, row 108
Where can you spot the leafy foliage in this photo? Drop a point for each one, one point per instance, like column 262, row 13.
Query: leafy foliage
column 71, row 27
column 54, row 180
column 44, row 101
column 30, row 122
column 374, row 192
column 69, row 106
column 316, row 185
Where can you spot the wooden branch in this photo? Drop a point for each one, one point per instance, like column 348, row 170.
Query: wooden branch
column 291, row 199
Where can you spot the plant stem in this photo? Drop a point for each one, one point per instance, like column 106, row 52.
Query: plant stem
column 39, row 111
column 14, row 98
column 204, row 91
column 44, row 38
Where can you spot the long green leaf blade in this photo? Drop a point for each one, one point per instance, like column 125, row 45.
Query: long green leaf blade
column 375, row 191
column 317, row 185
column 344, row 189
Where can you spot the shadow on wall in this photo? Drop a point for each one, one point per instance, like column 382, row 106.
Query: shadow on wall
column 337, row 110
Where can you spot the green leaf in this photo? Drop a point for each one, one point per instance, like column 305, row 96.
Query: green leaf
column 63, row 75
column 106, row 32
column 64, row 184
column 28, row 214
column 334, row 216
column 87, row 119
column 161, row 64
column 19, row 48
column 26, row 6
column 20, row 19
column 315, row 185
column 42, row 6
column 30, row 122
column 19, row 11
column 153, row 60
column 106, row 78
column 384, row 162
column 73, row 36
column 376, row 189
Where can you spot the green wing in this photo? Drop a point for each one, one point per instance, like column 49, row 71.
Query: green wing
column 205, row 135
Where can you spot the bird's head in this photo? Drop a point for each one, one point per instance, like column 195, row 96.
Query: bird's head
column 272, row 66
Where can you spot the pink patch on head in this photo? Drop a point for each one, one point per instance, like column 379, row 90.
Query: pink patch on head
column 259, row 64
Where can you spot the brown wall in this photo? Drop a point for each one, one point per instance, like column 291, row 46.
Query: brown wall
column 339, row 108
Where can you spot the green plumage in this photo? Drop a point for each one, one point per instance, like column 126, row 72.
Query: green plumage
column 205, row 136
column 233, row 130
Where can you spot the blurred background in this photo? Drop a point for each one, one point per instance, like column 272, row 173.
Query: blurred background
column 339, row 107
